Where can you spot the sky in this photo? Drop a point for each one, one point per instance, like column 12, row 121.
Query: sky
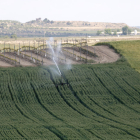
column 114, row 11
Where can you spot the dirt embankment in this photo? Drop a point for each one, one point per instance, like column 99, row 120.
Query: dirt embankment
column 104, row 54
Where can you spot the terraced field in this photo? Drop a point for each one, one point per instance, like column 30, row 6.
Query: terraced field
column 101, row 102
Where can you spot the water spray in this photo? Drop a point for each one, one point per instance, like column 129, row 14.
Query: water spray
column 61, row 82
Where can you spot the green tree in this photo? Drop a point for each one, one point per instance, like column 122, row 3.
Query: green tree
column 6, row 36
column 46, row 20
column 52, row 22
column 126, row 30
column 68, row 23
column 118, row 30
column 98, row 32
column 108, row 31
column 115, row 32
column 14, row 36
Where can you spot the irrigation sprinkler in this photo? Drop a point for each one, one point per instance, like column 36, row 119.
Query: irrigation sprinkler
column 62, row 83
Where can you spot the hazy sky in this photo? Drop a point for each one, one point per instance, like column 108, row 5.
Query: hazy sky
column 115, row 11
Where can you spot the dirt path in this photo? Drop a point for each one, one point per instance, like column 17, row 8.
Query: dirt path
column 4, row 64
column 105, row 54
column 23, row 62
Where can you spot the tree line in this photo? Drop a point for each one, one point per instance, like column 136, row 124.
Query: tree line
column 125, row 31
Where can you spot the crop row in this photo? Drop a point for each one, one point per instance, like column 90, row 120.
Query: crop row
column 90, row 108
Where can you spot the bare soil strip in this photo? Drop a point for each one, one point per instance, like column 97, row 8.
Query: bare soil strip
column 104, row 55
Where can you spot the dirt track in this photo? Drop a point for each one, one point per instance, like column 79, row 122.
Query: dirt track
column 105, row 54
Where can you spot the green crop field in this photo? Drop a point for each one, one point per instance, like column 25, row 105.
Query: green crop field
column 102, row 102
column 129, row 49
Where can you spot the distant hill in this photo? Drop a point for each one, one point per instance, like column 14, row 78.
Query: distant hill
column 48, row 27
column 97, row 25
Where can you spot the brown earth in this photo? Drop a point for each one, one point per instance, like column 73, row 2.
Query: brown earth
column 104, row 55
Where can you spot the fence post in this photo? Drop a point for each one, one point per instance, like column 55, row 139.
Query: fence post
column 4, row 48
column 9, row 51
column 19, row 53
column 43, row 51
column 15, row 54
column 46, row 49
column 80, row 51
column 53, row 44
column 41, row 55
column 25, row 50
column 87, row 51
column 37, row 49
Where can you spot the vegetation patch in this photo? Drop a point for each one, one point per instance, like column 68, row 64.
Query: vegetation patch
column 129, row 49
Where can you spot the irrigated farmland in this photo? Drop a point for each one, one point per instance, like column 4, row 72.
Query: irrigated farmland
column 101, row 101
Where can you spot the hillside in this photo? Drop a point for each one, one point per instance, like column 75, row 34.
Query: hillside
column 46, row 28
column 99, row 25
